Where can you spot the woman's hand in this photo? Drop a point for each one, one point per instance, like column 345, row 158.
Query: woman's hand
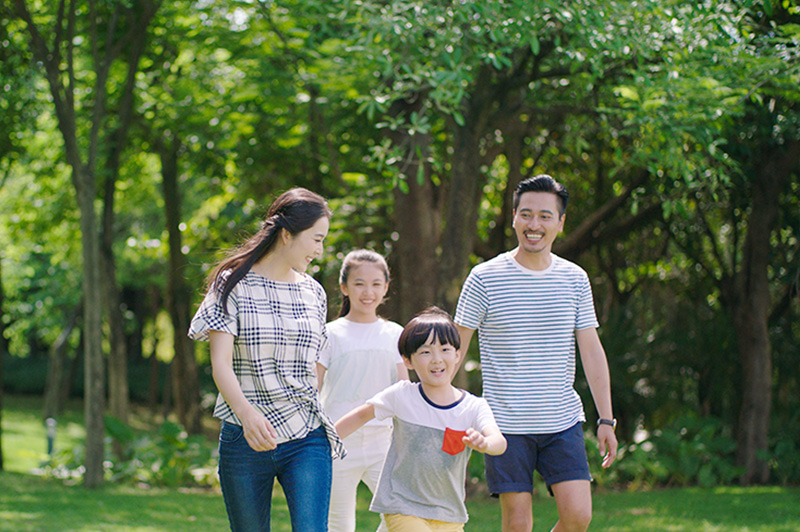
column 258, row 431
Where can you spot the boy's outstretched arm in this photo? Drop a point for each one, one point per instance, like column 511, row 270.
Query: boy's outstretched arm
column 491, row 441
column 354, row 420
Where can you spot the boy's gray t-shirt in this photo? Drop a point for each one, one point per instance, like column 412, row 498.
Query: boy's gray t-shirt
column 425, row 469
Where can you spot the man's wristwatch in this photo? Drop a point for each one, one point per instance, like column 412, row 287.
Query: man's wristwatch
column 610, row 422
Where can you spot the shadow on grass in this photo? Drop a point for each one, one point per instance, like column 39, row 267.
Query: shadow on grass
column 29, row 503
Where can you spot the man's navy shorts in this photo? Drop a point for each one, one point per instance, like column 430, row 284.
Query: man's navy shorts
column 557, row 457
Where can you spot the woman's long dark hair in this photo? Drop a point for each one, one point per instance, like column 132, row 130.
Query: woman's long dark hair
column 295, row 210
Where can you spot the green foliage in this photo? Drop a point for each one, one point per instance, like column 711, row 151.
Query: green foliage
column 690, row 451
column 168, row 458
column 255, row 97
column 696, row 451
column 784, row 450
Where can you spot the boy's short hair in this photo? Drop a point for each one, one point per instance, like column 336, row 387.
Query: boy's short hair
column 417, row 331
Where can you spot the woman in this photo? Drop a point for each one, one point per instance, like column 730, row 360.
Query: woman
column 265, row 321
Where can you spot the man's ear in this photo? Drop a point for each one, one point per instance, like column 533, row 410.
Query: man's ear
column 407, row 362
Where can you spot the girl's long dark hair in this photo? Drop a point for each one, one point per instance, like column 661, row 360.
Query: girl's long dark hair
column 295, row 210
column 357, row 258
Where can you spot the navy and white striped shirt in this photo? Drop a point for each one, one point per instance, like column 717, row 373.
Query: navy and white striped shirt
column 279, row 330
column 526, row 322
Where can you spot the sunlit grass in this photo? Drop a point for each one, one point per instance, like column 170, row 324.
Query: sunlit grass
column 25, row 435
column 30, row 503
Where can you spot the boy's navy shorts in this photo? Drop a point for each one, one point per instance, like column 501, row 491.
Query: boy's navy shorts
column 557, row 457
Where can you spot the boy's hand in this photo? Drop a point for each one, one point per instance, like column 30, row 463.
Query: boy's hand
column 475, row 440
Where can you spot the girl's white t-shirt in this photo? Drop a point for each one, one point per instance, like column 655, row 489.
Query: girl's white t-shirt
column 361, row 360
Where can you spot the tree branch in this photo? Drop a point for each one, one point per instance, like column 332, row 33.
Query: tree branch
column 69, row 91
column 579, row 235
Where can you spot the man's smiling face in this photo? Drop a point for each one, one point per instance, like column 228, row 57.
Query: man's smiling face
column 537, row 222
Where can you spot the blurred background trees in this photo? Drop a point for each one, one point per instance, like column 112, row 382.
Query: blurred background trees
column 674, row 126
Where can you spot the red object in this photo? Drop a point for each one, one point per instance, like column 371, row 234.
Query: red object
column 453, row 443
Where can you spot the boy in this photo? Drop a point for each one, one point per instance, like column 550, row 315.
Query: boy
column 421, row 488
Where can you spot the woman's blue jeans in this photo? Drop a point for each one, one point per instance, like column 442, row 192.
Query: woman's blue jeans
column 302, row 467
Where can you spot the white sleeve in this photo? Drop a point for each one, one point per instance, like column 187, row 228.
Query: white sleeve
column 385, row 402
column 326, row 351
column 484, row 418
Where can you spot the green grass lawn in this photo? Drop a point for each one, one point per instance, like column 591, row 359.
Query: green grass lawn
column 30, row 503
column 24, row 434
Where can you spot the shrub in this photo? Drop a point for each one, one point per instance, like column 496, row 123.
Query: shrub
column 690, row 451
column 170, row 457
column 784, row 460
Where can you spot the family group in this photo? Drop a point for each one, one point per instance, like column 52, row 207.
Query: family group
column 321, row 406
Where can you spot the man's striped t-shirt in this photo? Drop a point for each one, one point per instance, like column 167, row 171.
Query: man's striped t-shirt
column 526, row 322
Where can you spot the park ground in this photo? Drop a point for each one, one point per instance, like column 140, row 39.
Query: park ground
column 30, row 502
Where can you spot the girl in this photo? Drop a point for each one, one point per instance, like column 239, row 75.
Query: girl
column 265, row 320
column 363, row 359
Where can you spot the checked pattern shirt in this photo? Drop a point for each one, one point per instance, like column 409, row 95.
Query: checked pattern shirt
column 279, row 330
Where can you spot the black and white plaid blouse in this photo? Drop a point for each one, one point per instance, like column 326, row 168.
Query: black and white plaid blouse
column 279, row 330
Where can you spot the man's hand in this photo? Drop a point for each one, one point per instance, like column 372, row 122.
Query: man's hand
column 607, row 443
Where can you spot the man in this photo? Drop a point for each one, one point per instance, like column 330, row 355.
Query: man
column 530, row 307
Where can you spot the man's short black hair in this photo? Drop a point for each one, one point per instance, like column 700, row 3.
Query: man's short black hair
column 543, row 183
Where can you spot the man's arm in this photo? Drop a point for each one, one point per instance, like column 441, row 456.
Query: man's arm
column 595, row 366
column 466, row 337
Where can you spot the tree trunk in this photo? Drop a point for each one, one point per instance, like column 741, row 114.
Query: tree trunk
column 119, row 393
column 56, row 373
column 415, row 254
column 514, row 147
column 3, row 353
column 94, row 374
column 118, row 390
column 72, row 374
column 494, row 102
column 416, row 219
column 154, row 389
column 185, row 383
column 461, row 215
column 752, row 310
column 59, row 67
